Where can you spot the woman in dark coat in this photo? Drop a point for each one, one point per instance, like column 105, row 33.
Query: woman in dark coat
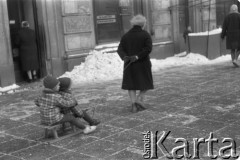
column 231, row 29
column 134, row 48
column 26, row 42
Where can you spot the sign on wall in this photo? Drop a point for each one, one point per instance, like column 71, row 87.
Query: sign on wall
column 103, row 19
column 105, row 16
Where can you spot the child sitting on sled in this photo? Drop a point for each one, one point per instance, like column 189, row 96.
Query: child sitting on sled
column 50, row 103
column 65, row 91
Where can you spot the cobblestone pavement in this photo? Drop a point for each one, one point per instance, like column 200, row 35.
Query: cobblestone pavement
column 190, row 102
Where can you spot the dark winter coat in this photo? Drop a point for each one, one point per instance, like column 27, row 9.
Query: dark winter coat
column 26, row 42
column 138, row 75
column 231, row 29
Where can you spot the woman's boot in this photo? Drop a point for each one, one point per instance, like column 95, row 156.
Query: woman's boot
column 140, row 106
column 134, row 108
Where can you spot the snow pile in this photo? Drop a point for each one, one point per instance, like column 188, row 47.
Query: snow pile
column 8, row 88
column 221, row 59
column 178, row 60
column 109, row 50
column 212, row 32
column 98, row 66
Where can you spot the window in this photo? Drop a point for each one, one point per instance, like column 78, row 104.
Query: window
column 161, row 20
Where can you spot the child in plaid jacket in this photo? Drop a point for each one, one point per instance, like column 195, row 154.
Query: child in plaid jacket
column 65, row 91
column 49, row 103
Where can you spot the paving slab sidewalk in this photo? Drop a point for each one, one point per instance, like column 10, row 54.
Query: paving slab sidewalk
column 191, row 102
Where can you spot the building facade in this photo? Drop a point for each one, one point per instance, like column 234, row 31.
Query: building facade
column 67, row 30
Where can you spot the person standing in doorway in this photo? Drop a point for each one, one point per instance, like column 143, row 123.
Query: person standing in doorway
column 134, row 49
column 231, row 29
column 26, row 42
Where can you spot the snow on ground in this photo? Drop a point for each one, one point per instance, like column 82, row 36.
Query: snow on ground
column 100, row 66
column 107, row 45
column 190, row 59
column 212, row 32
column 8, row 88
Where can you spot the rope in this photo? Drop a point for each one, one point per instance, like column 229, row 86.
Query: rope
column 127, row 66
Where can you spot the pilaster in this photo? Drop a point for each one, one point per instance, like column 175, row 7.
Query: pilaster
column 7, row 76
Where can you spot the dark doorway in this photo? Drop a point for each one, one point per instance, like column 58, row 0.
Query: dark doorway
column 107, row 21
column 112, row 18
column 18, row 11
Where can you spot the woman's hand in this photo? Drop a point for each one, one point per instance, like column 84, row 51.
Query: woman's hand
column 126, row 59
column 133, row 58
column 130, row 59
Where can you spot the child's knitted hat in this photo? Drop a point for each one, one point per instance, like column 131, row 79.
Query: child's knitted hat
column 65, row 83
column 50, row 82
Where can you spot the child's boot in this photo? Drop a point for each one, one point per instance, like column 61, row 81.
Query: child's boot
column 91, row 121
column 89, row 129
